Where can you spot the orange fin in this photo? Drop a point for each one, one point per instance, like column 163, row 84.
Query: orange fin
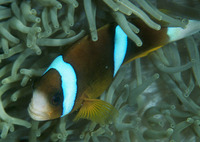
column 96, row 110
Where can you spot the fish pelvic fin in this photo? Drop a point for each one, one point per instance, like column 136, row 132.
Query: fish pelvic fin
column 97, row 110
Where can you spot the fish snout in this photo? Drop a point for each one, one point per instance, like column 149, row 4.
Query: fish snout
column 37, row 113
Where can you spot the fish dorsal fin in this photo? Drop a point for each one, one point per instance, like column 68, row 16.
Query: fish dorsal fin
column 96, row 110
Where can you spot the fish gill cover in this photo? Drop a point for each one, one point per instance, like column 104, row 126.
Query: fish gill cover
column 157, row 96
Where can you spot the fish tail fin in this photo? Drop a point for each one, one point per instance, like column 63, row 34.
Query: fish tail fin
column 153, row 40
column 176, row 33
column 96, row 110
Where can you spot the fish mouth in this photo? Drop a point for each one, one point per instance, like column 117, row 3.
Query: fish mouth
column 36, row 114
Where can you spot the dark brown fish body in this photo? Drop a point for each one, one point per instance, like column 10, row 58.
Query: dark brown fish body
column 93, row 61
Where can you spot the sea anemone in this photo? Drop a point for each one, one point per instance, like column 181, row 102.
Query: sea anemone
column 156, row 96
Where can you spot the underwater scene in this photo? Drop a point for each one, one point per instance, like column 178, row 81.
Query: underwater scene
column 99, row 71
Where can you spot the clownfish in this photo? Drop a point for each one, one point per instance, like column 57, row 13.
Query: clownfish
column 75, row 79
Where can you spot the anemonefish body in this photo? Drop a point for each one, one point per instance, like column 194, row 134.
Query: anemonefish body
column 75, row 79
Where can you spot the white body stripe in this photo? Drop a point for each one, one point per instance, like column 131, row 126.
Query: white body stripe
column 69, row 82
column 120, row 47
column 176, row 33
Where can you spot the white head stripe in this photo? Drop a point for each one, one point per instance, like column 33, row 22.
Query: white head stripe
column 69, row 82
column 120, row 47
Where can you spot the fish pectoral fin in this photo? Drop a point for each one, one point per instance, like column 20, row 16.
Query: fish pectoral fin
column 97, row 110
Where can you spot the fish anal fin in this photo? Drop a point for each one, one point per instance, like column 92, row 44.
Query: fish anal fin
column 96, row 110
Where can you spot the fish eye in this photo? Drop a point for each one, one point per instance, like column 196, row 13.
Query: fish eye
column 56, row 99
